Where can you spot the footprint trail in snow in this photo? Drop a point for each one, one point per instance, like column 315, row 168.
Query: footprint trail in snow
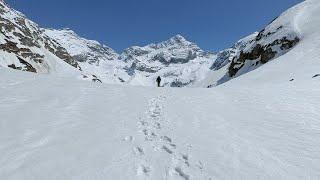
column 153, row 127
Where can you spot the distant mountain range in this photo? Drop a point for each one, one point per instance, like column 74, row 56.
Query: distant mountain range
column 26, row 46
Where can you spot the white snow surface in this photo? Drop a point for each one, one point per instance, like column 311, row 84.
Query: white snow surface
column 70, row 129
column 257, row 126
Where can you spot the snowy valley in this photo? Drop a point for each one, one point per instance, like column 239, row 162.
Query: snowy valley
column 181, row 63
column 259, row 118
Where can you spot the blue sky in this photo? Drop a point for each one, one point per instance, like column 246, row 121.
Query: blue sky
column 212, row 24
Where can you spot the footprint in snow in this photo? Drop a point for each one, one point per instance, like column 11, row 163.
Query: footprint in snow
column 139, row 151
column 143, row 170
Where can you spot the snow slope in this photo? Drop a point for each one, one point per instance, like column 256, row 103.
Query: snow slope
column 303, row 61
column 275, row 40
column 92, row 131
column 93, row 57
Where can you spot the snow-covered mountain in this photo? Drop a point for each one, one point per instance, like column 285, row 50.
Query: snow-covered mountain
column 23, row 46
column 83, row 50
column 93, row 57
column 178, row 61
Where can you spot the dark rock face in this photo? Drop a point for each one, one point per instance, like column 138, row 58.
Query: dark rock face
column 94, row 57
column 133, row 52
column 60, row 52
column 96, row 79
column 26, row 67
column 223, row 58
column 11, row 47
column 262, row 54
column 226, row 56
column 143, row 67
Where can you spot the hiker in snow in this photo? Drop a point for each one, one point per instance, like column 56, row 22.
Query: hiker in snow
column 159, row 81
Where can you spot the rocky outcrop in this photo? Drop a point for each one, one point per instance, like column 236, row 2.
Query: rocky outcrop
column 261, row 54
column 275, row 40
column 26, row 66
column 225, row 57
column 270, row 43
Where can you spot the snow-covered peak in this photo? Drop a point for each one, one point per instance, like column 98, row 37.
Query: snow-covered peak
column 93, row 57
column 178, row 61
column 175, row 50
column 77, row 45
column 178, row 39
column 64, row 31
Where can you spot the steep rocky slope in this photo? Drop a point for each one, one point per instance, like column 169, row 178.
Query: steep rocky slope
column 275, row 40
column 224, row 57
column 23, row 46
column 93, row 57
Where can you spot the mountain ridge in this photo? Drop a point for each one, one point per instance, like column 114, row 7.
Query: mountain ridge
column 180, row 62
